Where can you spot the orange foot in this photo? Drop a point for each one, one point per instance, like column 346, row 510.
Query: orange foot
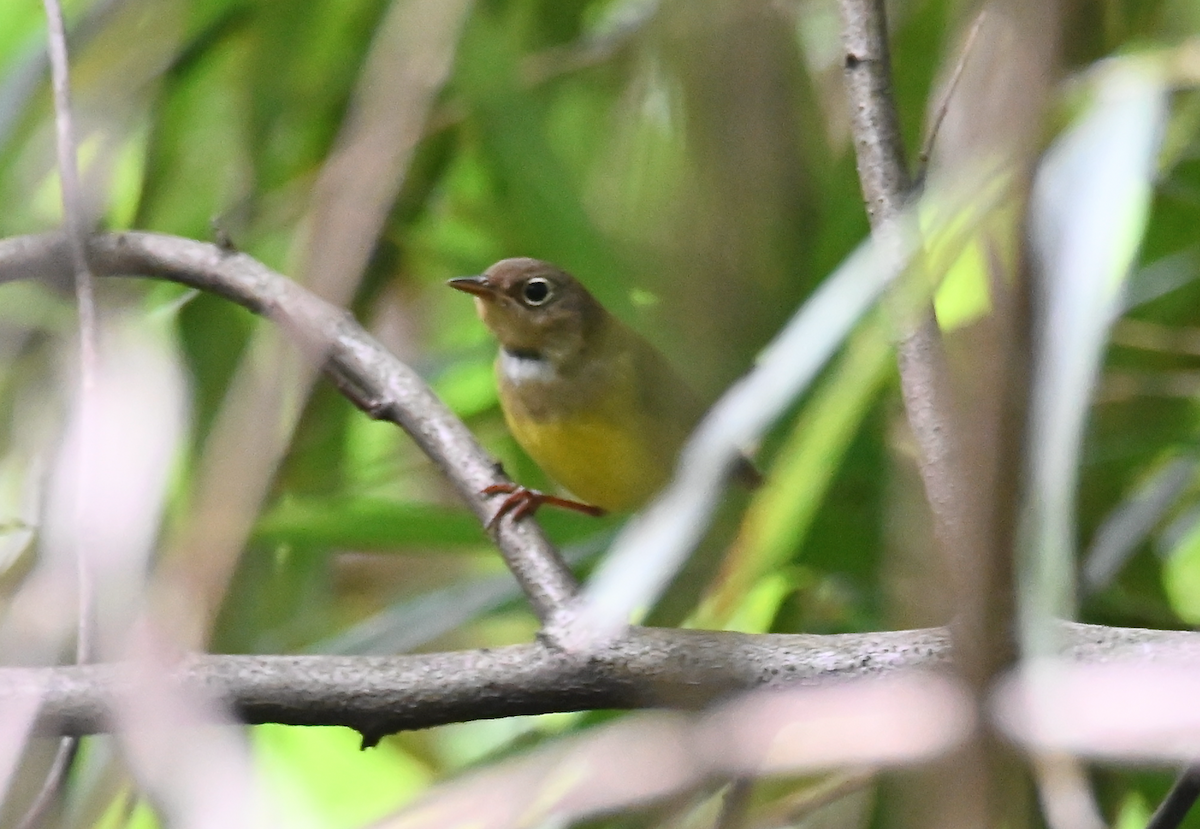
column 522, row 501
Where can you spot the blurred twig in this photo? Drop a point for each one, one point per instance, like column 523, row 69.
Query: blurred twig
column 589, row 50
column 1065, row 794
column 75, row 223
column 23, row 80
column 64, row 758
column 798, row 808
column 1153, row 336
column 558, row 61
column 735, row 804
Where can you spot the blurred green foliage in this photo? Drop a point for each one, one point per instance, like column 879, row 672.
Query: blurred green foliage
column 688, row 160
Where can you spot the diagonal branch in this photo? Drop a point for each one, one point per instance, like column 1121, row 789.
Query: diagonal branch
column 364, row 370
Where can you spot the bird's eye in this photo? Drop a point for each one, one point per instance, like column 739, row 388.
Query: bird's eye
column 536, row 291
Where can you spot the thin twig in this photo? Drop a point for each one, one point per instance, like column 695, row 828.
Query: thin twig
column 735, row 804
column 944, row 105
column 807, row 801
column 64, row 758
column 74, row 222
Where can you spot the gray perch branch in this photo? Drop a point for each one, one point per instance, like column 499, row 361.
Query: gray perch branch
column 650, row 668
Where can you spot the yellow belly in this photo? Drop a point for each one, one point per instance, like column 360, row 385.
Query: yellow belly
column 614, row 467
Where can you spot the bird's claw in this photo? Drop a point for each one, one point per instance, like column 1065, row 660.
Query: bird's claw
column 522, row 501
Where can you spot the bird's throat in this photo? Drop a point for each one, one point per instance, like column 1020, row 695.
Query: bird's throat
column 521, row 366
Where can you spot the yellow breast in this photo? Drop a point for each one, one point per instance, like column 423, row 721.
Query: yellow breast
column 608, row 427
column 598, row 433
column 599, row 459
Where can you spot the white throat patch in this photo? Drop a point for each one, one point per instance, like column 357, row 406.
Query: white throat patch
column 519, row 369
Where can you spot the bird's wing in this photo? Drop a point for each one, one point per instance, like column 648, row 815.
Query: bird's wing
column 669, row 399
column 663, row 392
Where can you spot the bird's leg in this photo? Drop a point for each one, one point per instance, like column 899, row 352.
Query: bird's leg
column 522, row 501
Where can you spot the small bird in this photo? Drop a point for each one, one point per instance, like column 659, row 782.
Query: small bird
column 597, row 407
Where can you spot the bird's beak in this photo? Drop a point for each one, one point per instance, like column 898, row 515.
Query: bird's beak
column 480, row 286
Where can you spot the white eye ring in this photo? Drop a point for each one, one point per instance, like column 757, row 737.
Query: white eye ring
column 537, row 291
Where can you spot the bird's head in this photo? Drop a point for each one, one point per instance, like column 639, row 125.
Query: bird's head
column 535, row 309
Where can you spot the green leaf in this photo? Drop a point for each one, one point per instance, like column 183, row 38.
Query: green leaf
column 325, row 772
column 367, row 524
column 1181, row 576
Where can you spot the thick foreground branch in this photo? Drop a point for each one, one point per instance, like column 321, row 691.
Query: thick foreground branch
column 651, row 668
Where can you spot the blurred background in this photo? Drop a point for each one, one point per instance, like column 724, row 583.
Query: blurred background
column 691, row 163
